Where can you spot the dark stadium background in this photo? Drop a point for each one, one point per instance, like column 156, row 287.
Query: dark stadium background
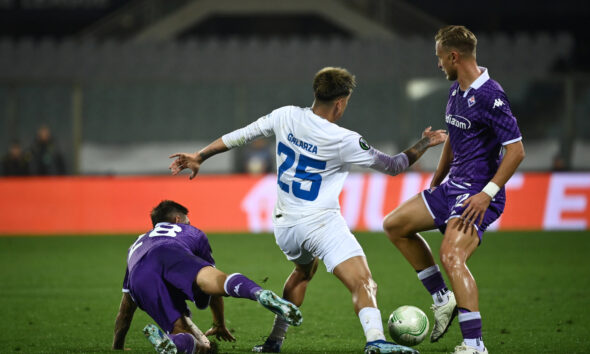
column 53, row 49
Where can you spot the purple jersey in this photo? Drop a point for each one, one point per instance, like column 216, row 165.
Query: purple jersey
column 186, row 236
column 162, row 266
column 479, row 122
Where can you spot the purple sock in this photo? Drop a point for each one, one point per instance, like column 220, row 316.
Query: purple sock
column 470, row 323
column 432, row 279
column 185, row 342
column 238, row 285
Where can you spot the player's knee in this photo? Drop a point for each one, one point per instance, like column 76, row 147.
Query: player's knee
column 369, row 286
column 393, row 226
column 211, row 280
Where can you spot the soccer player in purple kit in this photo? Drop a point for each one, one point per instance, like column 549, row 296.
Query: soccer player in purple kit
column 480, row 125
column 172, row 263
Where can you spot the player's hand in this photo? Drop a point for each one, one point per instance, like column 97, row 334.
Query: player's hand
column 475, row 208
column 435, row 137
column 221, row 333
column 184, row 160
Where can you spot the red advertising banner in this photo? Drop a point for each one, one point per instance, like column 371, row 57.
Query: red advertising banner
column 111, row 205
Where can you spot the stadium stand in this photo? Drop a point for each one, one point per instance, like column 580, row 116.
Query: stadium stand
column 185, row 87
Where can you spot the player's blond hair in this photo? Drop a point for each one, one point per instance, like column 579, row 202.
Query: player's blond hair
column 458, row 38
column 331, row 83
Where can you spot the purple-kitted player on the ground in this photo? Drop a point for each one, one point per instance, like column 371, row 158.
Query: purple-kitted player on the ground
column 172, row 263
column 480, row 126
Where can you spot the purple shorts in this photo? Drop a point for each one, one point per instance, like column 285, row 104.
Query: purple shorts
column 163, row 280
column 446, row 202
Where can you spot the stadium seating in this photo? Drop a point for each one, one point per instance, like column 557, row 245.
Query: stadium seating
column 199, row 89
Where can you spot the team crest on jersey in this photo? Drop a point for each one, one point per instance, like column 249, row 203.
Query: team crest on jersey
column 471, row 101
column 364, row 144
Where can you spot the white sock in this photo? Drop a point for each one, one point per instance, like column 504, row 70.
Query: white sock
column 476, row 343
column 279, row 329
column 370, row 318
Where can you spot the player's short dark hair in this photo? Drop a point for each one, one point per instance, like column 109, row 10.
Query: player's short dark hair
column 332, row 83
column 457, row 37
column 166, row 211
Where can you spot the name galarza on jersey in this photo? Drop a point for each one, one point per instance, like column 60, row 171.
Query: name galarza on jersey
column 458, row 121
column 302, row 144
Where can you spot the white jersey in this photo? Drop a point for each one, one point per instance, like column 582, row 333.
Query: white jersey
column 313, row 159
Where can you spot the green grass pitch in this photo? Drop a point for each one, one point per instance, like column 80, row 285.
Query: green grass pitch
column 61, row 294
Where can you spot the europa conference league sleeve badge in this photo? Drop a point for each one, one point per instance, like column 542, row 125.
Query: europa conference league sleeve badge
column 364, row 144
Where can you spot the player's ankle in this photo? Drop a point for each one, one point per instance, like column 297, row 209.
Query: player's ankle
column 476, row 343
column 374, row 334
column 441, row 297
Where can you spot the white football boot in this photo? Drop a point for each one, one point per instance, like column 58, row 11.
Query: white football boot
column 443, row 317
column 465, row 349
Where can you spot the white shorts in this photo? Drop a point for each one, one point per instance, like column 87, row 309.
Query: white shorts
column 327, row 237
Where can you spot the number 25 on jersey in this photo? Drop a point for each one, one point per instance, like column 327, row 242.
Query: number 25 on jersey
column 300, row 172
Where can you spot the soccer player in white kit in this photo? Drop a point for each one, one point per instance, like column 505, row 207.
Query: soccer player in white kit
column 313, row 159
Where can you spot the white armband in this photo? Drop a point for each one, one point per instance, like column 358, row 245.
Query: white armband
column 491, row 189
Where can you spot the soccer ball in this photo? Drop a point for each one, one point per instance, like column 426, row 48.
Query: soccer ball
column 408, row 325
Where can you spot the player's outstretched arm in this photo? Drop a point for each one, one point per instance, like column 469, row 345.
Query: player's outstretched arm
column 218, row 328
column 194, row 161
column 477, row 204
column 123, row 322
column 394, row 165
column 429, row 139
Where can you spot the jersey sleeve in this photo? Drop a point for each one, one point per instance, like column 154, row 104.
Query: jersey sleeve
column 502, row 121
column 262, row 127
column 355, row 150
column 126, row 281
column 205, row 251
column 200, row 245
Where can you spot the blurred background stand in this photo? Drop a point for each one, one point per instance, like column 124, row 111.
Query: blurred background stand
column 124, row 83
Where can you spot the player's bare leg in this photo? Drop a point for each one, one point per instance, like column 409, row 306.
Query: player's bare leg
column 293, row 291
column 355, row 274
column 212, row 281
column 296, row 284
column 456, row 248
column 402, row 226
column 458, row 245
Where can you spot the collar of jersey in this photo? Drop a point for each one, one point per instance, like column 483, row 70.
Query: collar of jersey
column 481, row 79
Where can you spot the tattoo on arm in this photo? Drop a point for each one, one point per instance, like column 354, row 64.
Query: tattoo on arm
column 417, row 150
column 209, row 152
column 214, row 148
